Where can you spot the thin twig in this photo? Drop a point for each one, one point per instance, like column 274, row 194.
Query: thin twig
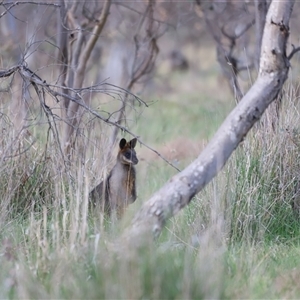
column 120, row 3
column 294, row 51
column 236, row 36
column 7, row 73
column 13, row 4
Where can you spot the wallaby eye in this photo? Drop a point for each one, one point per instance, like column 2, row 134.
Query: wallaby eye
column 127, row 155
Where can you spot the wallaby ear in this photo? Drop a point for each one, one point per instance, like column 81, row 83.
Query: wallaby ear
column 132, row 143
column 122, row 143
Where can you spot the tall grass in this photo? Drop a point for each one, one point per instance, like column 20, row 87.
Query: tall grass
column 263, row 202
column 239, row 238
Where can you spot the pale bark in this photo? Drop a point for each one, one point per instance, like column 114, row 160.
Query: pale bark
column 261, row 9
column 181, row 188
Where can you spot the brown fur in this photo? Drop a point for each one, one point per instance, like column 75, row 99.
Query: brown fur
column 119, row 189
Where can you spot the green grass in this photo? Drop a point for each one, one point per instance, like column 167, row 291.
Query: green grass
column 179, row 118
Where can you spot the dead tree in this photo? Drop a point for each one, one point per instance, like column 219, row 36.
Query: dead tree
column 180, row 189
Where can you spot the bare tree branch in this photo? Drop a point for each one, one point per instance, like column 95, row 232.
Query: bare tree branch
column 225, row 58
column 234, row 37
column 10, row 71
column 41, row 87
column 140, row 13
column 13, row 4
column 293, row 52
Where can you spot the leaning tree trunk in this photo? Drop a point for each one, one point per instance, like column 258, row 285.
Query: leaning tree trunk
column 180, row 189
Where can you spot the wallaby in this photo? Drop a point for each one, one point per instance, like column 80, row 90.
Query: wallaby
column 119, row 189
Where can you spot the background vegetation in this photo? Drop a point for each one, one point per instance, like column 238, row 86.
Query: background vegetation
column 239, row 238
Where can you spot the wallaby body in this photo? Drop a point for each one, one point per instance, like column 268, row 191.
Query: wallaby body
column 119, row 189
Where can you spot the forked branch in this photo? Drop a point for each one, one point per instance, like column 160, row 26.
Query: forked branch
column 293, row 52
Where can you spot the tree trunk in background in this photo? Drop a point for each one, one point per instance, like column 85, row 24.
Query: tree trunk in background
column 78, row 59
column 181, row 188
column 261, row 9
column 62, row 52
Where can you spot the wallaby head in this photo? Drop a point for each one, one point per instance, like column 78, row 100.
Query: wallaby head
column 127, row 154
